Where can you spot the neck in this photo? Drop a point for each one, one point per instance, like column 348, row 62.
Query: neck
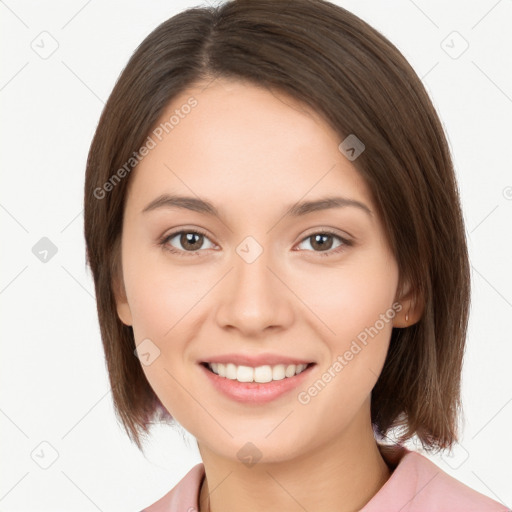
column 343, row 475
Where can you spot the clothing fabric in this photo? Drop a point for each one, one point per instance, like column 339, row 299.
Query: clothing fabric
column 416, row 485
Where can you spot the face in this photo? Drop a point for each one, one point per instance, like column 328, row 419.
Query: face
column 251, row 278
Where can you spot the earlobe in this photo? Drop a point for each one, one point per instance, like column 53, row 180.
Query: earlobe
column 412, row 309
column 124, row 313
column 122, row 306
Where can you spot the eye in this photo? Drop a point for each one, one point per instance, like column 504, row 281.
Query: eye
column 323, row 241
column 191, row 241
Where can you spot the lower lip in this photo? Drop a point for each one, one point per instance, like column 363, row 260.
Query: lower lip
column 255, row 392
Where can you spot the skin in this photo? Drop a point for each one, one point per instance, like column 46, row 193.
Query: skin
column 252, row 153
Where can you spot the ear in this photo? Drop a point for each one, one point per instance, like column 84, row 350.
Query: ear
column 412, row 308
column 123, row 308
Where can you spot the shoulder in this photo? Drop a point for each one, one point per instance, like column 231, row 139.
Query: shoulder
column 417, row 484
column 441, row 491
column 183, row 497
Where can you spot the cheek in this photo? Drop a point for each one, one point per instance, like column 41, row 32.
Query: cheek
column 164, row 301
column 355, row 306
column 160, row 294
column 352, row 298
column 161, row 313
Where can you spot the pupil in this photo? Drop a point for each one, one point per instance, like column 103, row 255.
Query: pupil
column 187, row 240
column 322, row 244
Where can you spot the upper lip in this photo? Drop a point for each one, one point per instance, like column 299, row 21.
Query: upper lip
column 255, row 361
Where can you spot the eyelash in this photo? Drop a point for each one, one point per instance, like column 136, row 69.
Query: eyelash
column 164, row 243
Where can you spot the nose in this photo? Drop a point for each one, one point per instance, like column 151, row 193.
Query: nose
column 254, row 298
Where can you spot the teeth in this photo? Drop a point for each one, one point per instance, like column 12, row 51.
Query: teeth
column 231, row 372
column 259, row 374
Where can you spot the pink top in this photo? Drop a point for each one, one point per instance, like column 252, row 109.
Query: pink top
column 415, row 485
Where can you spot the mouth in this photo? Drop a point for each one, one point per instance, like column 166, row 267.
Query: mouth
column 259, row 374
column 256, row 385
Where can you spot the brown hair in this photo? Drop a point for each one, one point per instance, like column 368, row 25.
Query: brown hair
column 361, row 84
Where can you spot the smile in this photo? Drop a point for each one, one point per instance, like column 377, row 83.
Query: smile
column 260, row 374
column 255, row 385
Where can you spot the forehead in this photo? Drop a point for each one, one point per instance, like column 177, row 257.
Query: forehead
column 243, row 141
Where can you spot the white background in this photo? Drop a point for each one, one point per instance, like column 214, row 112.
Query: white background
column 54, row 386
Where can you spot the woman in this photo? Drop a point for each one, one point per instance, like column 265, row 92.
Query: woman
column 275, row 233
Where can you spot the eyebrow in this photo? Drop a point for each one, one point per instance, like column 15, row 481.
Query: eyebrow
column 295, row 210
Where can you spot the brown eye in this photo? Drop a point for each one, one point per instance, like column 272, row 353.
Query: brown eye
column 187, row 241
column 191, row 241
column 323, row 242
